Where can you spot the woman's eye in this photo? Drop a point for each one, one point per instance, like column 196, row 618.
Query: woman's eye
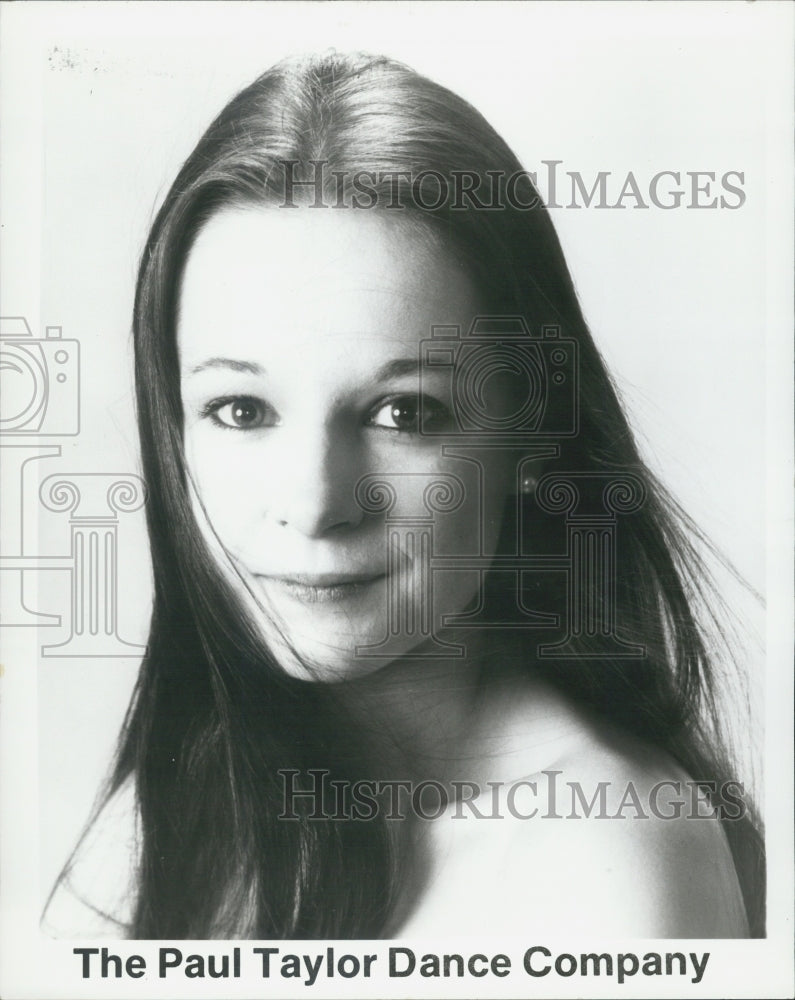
column 241, row 413
column 398, row 414
column 403, row 414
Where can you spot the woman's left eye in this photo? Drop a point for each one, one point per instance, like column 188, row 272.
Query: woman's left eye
column 241, row 413
column 403, row 414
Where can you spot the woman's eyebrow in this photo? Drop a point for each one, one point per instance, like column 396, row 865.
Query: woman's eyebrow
column 396, row 368
column 232, row 363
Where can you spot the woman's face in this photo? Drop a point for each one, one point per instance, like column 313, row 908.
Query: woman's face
column 299, row 339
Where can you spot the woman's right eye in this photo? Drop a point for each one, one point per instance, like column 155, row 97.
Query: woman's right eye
column 241, row 413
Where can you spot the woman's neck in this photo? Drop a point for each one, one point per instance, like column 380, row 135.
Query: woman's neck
column 485, row 716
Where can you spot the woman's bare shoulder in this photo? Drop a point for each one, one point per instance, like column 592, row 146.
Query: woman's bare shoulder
column 625, row 832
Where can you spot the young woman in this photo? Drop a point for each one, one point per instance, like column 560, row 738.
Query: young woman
column 383, row 456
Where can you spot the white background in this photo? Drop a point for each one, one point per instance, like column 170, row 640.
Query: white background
column 101, row 104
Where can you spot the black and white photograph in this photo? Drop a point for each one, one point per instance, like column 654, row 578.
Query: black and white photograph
column 396, row 529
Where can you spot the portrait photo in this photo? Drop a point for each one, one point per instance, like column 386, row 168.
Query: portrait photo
column 397, row 520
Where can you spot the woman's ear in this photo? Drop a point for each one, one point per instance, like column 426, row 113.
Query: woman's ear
column 531, row 472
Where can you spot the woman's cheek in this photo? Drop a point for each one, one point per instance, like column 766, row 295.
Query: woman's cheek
column 473, row 528
column 228, row 488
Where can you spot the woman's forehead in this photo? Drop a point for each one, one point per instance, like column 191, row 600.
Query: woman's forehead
column 275, row 280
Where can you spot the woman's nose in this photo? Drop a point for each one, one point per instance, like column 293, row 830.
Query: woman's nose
column 312, row 486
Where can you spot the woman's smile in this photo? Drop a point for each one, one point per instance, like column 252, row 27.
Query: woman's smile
column 325, row 589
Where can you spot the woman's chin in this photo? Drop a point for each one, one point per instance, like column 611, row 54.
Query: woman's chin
column 334, row 660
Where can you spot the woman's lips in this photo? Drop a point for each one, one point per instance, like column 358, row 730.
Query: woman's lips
column 324, row 589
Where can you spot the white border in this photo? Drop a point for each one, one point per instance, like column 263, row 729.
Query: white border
column 443, row 40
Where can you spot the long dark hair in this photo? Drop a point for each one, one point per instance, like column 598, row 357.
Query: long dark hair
column 214, row 718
